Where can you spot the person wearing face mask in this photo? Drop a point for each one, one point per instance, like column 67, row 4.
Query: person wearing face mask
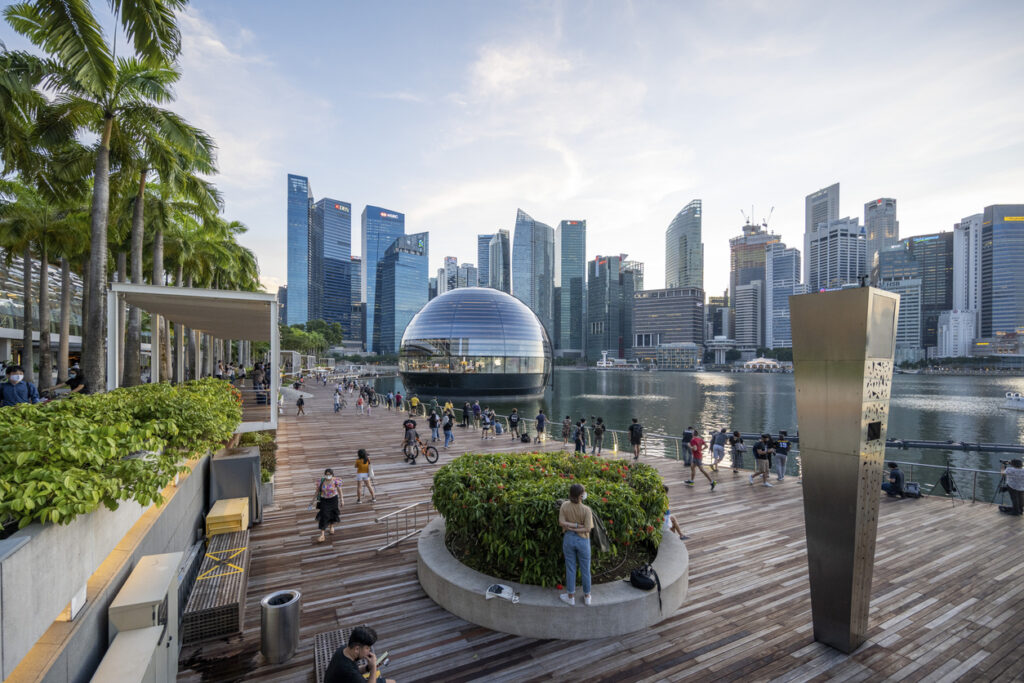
column 16, row 390
column 75, row 382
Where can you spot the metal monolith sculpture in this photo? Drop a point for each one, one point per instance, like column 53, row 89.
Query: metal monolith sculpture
column 843, row 345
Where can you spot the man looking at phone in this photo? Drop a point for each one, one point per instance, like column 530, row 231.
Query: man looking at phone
column 344, row 668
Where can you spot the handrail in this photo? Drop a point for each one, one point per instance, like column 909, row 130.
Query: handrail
column 410, row 513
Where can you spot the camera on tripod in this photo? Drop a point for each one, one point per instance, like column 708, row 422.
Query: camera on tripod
column 1004, row 463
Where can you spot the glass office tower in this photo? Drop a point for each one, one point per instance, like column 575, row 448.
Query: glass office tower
column 499, row 275
column 684, row 251
column 1002, row 262
column 300, row 198
column 332, row 225
column 571, row 279
column 402, row 281
column 381, row 227
column 533, row 267
column 483, row 258
column 881, row 229
column 782, row 280
column 928, row 259
column 819, row 207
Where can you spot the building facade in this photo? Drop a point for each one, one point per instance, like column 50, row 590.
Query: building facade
column 747, row 256
column 928, row 258
column 380, row 228
column 300, row 199
column 908, row 326
column 1002, row 262
column 282, row 305
column 571, row 280
column 782, row 280
column 611, row 284
column 666, row 317
column 469, row 276
column 956, row 333
column 483, row 258
column 533, row 267
column 333, row 224
column 684, row 250
column 402, row 282
column 499, row 275
column 819, row 207
column 881, row 231
column 748, row 307
column 718, row 317
column 356, row 321
column 834, row 253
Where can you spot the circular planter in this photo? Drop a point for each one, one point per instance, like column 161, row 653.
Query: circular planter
column 616, row 609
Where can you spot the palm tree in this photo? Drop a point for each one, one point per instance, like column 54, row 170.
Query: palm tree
column 97, row 92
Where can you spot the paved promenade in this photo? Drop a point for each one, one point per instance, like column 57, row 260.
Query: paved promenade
column 947, row 598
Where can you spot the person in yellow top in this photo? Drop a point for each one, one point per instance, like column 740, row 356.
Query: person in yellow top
column 448, row 406
column 363, row 471
column 414, row 403
column 576, row 520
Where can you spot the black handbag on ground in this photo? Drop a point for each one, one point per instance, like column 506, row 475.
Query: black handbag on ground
column 645, row 578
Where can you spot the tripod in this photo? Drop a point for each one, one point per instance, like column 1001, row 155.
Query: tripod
column 948, row 484
column 1000, row 491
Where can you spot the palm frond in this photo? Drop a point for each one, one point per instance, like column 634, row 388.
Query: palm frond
column 152, row 27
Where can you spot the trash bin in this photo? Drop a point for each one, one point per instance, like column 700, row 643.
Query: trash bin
column 279, row 625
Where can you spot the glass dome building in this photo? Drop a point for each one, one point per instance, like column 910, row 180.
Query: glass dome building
column 475, row 343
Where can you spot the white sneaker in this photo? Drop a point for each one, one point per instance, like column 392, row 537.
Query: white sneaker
column 586, row 600
column 751, row 479
column 769, row 485
column 564, row 597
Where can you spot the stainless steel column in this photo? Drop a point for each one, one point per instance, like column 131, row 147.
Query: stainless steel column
column 843, row 344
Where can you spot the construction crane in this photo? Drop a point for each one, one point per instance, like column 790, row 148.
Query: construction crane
column 764, row 222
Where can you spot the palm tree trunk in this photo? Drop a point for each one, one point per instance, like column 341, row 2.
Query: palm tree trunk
column 45, row 363
column 65, row 318
column 133, row 336
column 27, row 358
column 161, row 323
column 86, row 287
column 94, row 360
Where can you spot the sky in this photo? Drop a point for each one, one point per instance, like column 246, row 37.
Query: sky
column 458, row 113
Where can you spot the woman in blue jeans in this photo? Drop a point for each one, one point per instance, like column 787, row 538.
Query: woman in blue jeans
column 576, row 520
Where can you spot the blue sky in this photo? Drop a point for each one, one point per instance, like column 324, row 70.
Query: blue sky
column 457, row 114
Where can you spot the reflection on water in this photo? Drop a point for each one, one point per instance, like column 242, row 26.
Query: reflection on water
column 927, row 407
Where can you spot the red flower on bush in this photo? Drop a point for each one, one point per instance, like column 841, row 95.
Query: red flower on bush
column 611, row 522
column 558, row 586
column 650, row 528
column 604, row 500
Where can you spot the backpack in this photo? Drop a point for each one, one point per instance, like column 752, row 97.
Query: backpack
column 645, row 578
column 912, row 489
column 525, row 438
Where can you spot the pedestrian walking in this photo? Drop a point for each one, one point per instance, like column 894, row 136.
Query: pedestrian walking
column 300, row 406
column 329, row 501
column 738, row 449
column 718, row 448
column 636, row 437
column 697, row 455
column 359, row 404
column 781, row 454
column 364, row 476
column 599, row 430
column 762, row 456
column 576, row 520
column 435, row 423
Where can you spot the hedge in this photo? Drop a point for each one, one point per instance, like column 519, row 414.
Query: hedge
column 66, row 458
column 501, row 514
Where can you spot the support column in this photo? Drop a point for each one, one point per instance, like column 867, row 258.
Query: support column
column 113, row 347
column 843, row 344
column 154, row 348
column 179, row 352
column 198, row 369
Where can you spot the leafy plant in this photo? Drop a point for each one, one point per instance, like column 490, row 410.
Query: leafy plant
column 66, row 458
column 267, row 442
column 501, row 514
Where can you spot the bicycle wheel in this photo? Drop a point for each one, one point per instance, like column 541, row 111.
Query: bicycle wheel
column 430, row 453
column 409, row 450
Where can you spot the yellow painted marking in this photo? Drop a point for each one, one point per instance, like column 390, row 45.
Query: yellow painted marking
column 222, row 563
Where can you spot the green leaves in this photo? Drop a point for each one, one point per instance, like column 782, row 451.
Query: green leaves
column 502, row 519
column 63, row 459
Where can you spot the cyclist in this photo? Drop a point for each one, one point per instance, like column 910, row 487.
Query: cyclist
column 411, row 436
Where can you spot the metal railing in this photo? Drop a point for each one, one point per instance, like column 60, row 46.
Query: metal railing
column 932, row 475
column 405, row 522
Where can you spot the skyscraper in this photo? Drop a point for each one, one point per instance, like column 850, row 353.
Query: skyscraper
column 666, row 316
column 819, row 207
column 748, row 305
column 747, row 267
column 300, row 198
column 927, row 259
column 469, row 276
column 483, row 258
column 282, row 305
column 834, row 255
column 332, row 221
column 610, row 288
column 684, row 251
column 499, row 272
column 882, row 230
column 451, row 274
column 533, row 267
column 381, row 227
column 782, row 280
column 967, row 264
column 402, row 289
column 356, row 273
column 1002, row 262
column 909, row 324
column 571, row 279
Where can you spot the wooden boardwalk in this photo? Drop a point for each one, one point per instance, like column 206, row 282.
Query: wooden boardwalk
column 947, row 598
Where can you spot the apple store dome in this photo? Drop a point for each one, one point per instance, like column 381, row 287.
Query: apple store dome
column 475, row 343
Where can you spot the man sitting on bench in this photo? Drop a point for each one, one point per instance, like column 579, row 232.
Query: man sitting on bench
column 344, row 668
column 894, row 487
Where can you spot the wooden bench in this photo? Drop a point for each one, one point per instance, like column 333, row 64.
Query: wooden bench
column 325, row 645
column 216, row 606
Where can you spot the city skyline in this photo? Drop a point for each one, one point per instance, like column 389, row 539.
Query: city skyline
column 458, row 138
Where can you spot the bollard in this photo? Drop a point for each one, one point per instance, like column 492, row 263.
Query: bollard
column 279, row 626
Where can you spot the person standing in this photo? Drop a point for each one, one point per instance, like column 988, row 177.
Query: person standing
column 581, row 435
column 513, row 423
column 359, row 404
column 541, row 420
column 476, row 414
column 762, row 456
column 330, row 500
column 435, row 422
column 446, row 426
column 1014, row 473
column 576, row 520
column 389, row 400
column 718, row 448
column 566, row 431
column 738, row 449
column 466, row 410
column 781, row 454
column 697, row 446
column 337, row 402
column 598, row 436
column 636, row 437
column 16, row 389
column 364, row 474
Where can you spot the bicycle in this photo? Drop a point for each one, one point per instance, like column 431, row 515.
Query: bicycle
column 413, row 450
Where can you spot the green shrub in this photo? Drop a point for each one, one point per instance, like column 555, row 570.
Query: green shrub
column 502, row 518
column 267, row 442
column 63, row 459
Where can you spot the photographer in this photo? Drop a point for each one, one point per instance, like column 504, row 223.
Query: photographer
column 1014, row 474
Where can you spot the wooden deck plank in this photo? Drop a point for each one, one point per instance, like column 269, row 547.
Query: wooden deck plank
column 945, row 601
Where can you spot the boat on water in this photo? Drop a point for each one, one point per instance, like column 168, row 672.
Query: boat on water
column 607, row 363
column 1014, row 401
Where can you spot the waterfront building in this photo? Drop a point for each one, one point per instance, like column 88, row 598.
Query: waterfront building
column 450, row 275
column 967, row 266
column 782, row 280
column 908, row 325
column 468, row 276
column 747, row 267
column 956, row 333
column 401, row 289
column 356, row 320
column 571, row 281
column 819, row 207
column 834, row 255
column 533, row 267
column 679, row 356
column 432, row 288
column 380, row 228
column 282, row 305
column 748, row 305
column 499, row 271
column 928, row 258
column 718, row 317
column 332, row 224
column 300, row 199
column 667, row 318
column 611, row 284
column 684, row 251
column 1002, row 262
column 636, row 268
column 483, row 258
column 475, row 342
column 881, row 230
